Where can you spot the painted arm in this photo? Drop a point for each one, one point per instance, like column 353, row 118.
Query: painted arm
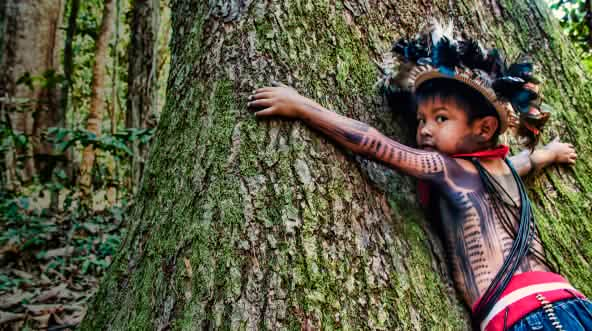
column 353, row 135
column 554, row 152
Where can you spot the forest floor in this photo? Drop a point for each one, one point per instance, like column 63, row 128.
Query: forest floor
column 51, row 263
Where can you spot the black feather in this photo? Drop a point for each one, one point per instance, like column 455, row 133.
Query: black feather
column 472, row 54
column 494, row 64
column 524, row 69
column 445, row 56
column 410, row 50
column 507, row 86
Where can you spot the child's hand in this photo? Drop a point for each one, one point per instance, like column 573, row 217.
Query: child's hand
column 564, row 153
column 278, row 100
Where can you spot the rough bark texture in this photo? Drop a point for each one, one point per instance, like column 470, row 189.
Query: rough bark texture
column 97, row 102
column 30, row 43
column 241, row 224
column 142, row 76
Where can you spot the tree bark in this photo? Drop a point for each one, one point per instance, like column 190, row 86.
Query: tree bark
column 30, row 44
column 142, row 77
column 242, row 224
column 97, row 103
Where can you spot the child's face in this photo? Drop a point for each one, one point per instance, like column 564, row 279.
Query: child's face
column 444, row 127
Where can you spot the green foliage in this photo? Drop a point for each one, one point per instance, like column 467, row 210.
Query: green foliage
column 117, row 144
column 48, row 79
column 573, row 19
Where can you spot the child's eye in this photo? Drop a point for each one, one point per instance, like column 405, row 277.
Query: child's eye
column 420, row 121
column 441, row 119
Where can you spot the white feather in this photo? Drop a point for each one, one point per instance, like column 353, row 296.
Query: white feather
column 439, row 30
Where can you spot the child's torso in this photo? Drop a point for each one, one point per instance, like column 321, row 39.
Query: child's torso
column 475, row 236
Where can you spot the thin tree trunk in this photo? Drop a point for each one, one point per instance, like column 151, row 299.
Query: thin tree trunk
column 30, row 39
column 97, row 103
column 244, row 224
column 142, row 77
column 69, row 54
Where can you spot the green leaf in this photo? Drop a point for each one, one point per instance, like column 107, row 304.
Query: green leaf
column 23, row 202
column 21, row 139
column 61, row 174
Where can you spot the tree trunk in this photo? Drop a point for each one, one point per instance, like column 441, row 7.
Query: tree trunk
column 242, row 224
column 97, row 103
column 69, row 54
column 142, row 77
column 31, row 39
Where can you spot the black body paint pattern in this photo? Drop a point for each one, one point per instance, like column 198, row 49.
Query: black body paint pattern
column 473, row 232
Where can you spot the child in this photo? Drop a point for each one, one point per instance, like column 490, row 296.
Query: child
column 496, row 256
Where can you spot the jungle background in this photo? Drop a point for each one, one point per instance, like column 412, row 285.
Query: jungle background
column 75, row 130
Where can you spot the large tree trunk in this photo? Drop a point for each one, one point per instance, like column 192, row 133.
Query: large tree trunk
column 142, row 77
column 241, row 224
column 31, row 39
column 97, row 103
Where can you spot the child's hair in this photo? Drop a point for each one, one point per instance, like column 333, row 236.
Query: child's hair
column 471, row 101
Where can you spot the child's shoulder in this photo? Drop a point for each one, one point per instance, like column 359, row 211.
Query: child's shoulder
column 496, row 167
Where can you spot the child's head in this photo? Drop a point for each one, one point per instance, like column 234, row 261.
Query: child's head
column 454, row 118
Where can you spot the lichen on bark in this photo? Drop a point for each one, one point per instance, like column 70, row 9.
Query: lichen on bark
column 245, row 224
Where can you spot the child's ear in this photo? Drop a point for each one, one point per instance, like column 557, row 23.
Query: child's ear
column 486, row 127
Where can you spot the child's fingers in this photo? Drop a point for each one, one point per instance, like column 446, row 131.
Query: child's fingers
column 264, row 89
column 261, row 103
column 262, row 95
column 265, row 112
column 278, row 84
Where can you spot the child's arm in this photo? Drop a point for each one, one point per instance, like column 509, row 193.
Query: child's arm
column 354, row 135
column 554, row 152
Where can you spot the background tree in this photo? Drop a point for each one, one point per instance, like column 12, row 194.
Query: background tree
column 242, row 224
column 97, row 104
column 142, row 76
column 576, row 20
column 29, row 83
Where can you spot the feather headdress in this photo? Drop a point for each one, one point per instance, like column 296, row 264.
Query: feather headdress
column 512, row 90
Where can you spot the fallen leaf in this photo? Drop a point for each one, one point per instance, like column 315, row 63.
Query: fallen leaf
column 64, row 251
column 8, row 301
column 44, row 309
column 74, row 319
column 91, row 227
column 42, row 320
column 6, row 317
column 44, row 280
column 22, row 274
column 56, row 293
column 58, row 320
column 10, row 247
column 74, row 307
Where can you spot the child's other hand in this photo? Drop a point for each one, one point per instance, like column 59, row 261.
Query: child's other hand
column 564, row 153
column 278, row 100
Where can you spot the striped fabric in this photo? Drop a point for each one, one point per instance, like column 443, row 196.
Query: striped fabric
column 520, row 298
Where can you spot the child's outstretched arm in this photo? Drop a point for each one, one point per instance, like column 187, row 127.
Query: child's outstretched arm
column 554, row 152
column 354, row 135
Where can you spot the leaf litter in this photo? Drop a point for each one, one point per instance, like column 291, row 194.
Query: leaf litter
column 50, row 266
